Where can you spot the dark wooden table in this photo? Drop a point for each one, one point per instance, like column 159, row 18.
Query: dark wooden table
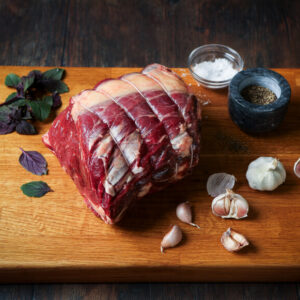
column 132, row 34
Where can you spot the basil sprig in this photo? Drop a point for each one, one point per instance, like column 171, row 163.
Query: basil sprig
column 37, row 94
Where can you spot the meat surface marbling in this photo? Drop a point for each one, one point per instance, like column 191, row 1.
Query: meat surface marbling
column 127, row 137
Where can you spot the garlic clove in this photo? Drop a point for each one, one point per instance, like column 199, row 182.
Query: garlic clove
column 218, row 183
column 230, row 205
column 172, row 238
column 184, row 213
column 233, row 241
column 297, row 168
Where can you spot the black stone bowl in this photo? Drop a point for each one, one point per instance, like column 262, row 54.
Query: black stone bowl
column 254, row 118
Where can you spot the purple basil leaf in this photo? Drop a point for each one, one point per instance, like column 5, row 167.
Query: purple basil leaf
column 36, row 74
column 26, row 113
column 15, row 114
column 20, row 90
column 35, row 189
column 56, row 100
column 24, row 127
column 33, row 162
column 7, row 128
column 5, row 114
column 10, row 116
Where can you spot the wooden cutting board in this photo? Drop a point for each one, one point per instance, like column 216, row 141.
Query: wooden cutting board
column 56, row 238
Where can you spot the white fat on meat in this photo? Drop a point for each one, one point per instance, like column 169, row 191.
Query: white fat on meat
column 144, row 190
column 99, row 210
column 116, row 88
column 130, row 147
column 182, row 142
column 115, row 131
column 45, row 139
column 117, row 169
column 109, row 189
column 105, row 146
column 169, row 81
column 141, row 82
column 85, row 100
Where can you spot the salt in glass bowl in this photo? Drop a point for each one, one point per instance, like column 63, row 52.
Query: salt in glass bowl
column 211, row 52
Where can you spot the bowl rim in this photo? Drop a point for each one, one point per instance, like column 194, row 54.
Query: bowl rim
column 263, row 72
column 226, row 49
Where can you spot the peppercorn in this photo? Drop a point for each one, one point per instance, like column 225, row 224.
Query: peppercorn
column 258, row 95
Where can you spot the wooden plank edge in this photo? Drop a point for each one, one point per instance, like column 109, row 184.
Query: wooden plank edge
column 157, row 274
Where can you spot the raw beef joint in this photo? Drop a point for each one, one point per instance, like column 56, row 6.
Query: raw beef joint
column 127, row 137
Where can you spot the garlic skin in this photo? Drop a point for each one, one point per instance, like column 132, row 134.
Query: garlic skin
column 217, row 183
column 297, row 168
column 184, row 213
column 233, row 241
column 230, row 205
column 172, row 238
column 265, row 174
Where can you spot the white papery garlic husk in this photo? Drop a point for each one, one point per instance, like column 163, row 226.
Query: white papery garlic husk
column 265, row 174
column 230, row 205
column 233, row 241
column 217, row 183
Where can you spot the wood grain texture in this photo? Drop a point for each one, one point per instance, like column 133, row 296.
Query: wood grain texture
column 35, row 33
column 56, row 238
column 154, row 291
column 134, row 33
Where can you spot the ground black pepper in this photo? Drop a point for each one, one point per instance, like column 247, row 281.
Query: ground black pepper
column 258, row 95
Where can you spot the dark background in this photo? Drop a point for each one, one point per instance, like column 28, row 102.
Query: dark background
column 118, row 33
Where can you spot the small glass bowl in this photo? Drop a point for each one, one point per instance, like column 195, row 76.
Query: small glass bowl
column 209, row 53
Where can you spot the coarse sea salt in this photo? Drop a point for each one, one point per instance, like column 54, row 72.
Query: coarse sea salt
column 218, row 70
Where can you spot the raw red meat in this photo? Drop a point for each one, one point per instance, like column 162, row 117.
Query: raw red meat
column 127, row 137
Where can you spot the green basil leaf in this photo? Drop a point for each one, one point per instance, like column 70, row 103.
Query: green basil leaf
column 41, row 108
column 19, row 102
column 35, row 189
column 12, row 80
column 62, row 88
column 11, row 96
column 5, row 112
column 48, row 100
column 58, row 86
column 54, row 74
column 28, row 81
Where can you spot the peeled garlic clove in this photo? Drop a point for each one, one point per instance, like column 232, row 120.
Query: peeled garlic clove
column 172, row 238
column 230, row 205
column 297, row 168
column 233, row 241
column 218, row 183
column 184, row 213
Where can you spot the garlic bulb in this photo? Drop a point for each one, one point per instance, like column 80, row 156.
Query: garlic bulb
column 297, row 168
column 265, row 174
column 184, row 213
column 230, row 205
column 233, row 241
column 172, row 238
